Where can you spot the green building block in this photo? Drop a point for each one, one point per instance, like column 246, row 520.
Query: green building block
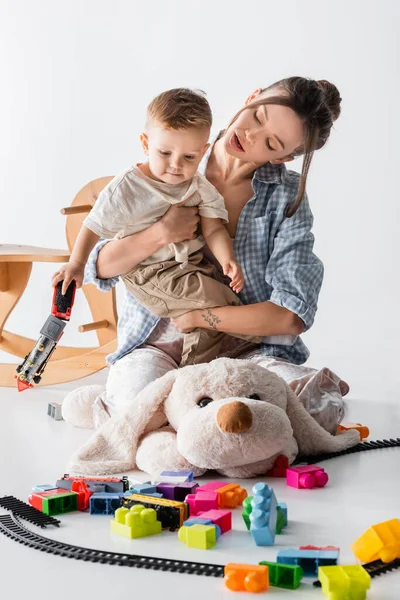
column 284, row 576
column 247, row 510
column 281, row 520
column 59, row 504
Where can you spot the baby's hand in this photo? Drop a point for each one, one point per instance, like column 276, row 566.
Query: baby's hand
column 233, row 270
column 67, row 273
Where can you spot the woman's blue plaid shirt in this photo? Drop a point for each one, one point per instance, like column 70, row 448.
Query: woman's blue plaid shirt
column 276, row 256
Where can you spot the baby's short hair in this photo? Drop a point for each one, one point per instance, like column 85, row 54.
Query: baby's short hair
column 180, row 108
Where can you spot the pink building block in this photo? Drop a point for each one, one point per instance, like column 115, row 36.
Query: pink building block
column 222, row 518
column 307, row 477
column 201, row 502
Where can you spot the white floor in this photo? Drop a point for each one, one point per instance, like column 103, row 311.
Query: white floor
column 363, row 489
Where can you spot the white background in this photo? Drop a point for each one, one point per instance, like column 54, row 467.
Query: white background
column 76, row 78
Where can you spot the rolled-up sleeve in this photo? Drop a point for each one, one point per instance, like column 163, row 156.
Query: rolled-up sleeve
column 105, row 285
column 294, row 272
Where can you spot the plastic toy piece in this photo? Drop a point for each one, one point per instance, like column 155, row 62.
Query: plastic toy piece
column 177, row 491
column 249, row 578
column 54, row 411
column 199, row 521
column 83, row 492
column 308, row 560
column 202, row 501
column 230, row 495
column 379, row 541
column 104, row 503
column 34, row 364
column 362, row 429
column 54, row 502
column 187, row 474
column 306, row 477
column 319, row 548
column 172, row 514
column 43, row 487
column 96, row 484
column 263, row 515
column 280, row 467
column 344, row 582
column 143, row 488
column 135, row 522
column 199, row 536
column 284, row 576
column 281, row 520
column 27, row 512
column 222, row 518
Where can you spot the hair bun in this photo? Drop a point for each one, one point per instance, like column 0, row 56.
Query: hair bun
column 332, row 97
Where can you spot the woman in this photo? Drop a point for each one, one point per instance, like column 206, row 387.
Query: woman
column 270, row 221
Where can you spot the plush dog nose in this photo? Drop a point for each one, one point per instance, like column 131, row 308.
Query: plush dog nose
column 234, row 417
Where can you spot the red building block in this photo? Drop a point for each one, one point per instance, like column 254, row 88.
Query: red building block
column 280, row 467
column 83, row 492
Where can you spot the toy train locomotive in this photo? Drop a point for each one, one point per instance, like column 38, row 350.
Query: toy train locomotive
column 31, row 369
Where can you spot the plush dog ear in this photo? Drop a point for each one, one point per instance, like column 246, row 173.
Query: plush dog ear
column 310, row 436
column 112, row 449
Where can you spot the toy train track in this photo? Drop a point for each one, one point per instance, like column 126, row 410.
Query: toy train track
column 11, row 526
column 27, row 512
column 362, row 447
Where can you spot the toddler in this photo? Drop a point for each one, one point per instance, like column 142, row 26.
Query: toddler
column 175, row 279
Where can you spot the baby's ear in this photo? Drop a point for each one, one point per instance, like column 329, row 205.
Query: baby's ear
column 145, row 143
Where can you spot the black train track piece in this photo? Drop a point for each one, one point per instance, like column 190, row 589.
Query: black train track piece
column 362, row 447
column 374, row 569
column 27, row 512
column 14, row 529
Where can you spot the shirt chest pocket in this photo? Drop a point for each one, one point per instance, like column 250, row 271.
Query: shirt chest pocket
column 261, row 234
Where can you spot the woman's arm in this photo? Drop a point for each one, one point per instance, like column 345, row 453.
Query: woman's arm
column 120, row 256
column 261, row 319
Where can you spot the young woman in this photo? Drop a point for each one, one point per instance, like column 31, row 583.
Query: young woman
column 270, row 222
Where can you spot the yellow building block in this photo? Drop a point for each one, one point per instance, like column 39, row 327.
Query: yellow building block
column 379, row 541
column 198, row 536
column 135, row 522
column 344, row 583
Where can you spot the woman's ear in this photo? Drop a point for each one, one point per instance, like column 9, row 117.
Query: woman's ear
column 145, row 143
column 253, row 96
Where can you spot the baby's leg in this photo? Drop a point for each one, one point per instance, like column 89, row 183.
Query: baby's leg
column 320, row 391
column 90, row 406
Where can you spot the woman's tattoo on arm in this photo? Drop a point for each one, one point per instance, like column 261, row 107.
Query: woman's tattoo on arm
column 211, row 319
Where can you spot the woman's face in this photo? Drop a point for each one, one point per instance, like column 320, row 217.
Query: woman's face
column 267, row 133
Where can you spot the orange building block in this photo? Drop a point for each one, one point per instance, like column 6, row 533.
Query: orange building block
column 379, row 541
column 249, row 578
column 362, row 429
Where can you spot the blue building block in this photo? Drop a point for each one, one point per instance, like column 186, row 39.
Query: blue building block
column 263, row 515
column 200, row 521
column 143, row 488
column 188, row 474
column 43, row 487
column 104, row 503
column 308, row 560
column 284, row 510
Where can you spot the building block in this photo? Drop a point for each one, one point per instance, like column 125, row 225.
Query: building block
column 263, row 515
column 175, row 479
column 54, row 502
column 135, row 522
column 344, row 582
column 184, row 489
column 187, row 474
column 199, row 536
column 362, row 429
column 280, row 467
column 104, row 503
column 308, row 560
column 43, row 487
column 230, row 495
column 309, row 547
column 199, row 521
column 306, row 477
column 54, row 411
column 167, row 490
column 381, row 541
column 170, row 512
column 222, row 518
column 284, row 576
column 201, row 501
column 281, row 522
column 96, row 484
column 249, row 578
column 80, row 488
column 246, row 511
column 143, row 488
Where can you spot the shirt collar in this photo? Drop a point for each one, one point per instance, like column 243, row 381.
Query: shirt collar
column 267, row 173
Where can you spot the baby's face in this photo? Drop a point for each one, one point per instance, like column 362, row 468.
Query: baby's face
column 174, row 155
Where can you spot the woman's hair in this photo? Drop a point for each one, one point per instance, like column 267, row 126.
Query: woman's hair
column 317, row 103
column 180, row 108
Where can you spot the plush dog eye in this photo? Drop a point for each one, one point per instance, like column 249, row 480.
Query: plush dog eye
column 204, row 401
column 254, row 397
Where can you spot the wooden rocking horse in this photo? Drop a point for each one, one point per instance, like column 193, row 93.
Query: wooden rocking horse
column 67, row 363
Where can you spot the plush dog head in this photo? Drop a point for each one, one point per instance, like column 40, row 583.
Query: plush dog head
column 230, row 415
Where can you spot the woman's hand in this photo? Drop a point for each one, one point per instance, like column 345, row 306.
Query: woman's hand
column 67, row 273
column 180, row 223
column 232, row 269
column 185, row 323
